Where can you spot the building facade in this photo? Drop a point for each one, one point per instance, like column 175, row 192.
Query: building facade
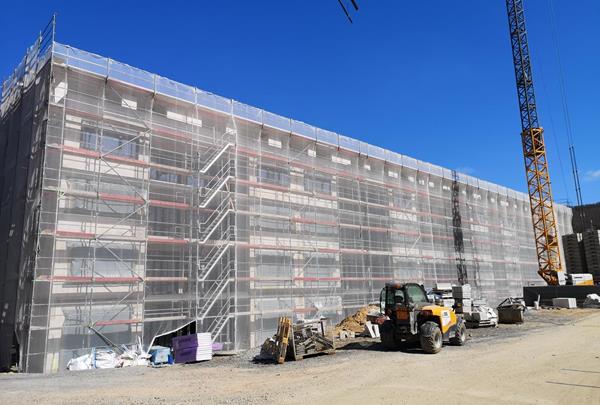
column 139, row 205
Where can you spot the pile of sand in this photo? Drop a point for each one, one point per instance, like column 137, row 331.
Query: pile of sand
column 356, row 323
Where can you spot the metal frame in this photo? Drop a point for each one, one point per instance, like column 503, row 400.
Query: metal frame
column 534, row 151
column 364, row 225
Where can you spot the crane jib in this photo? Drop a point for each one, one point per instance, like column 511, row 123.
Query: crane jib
column 534, row 151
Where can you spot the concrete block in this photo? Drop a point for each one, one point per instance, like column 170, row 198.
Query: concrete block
column 463, row 306
column 461, row 291
column 443, row 286
column 564, row 302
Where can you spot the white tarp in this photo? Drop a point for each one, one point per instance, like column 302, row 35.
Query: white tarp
column 592, row 301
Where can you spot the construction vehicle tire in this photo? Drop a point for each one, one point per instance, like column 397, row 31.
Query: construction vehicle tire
column 431, row 337
column 460, row 335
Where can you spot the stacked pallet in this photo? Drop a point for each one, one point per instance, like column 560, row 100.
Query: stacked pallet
column 591, row 243
column 190, row 348
column 573, row 248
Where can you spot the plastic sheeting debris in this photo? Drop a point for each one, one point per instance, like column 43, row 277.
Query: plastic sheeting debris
column 108, row 358
column 592, row 301
column 105, row 358
column 84, row 362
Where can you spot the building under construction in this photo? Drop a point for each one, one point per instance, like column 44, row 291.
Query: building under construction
column 134, row 206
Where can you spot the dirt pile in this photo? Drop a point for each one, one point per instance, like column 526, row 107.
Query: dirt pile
column 356, row 323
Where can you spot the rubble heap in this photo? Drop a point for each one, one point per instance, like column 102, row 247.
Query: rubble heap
column 356, row 323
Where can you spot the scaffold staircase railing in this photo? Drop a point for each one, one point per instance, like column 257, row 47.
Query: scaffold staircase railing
column 215, row 234
column 213, row 154
column 216, row 218
column 210, row 297
column 208, row 262
column 220, row 320
column 212, row 188
column 209, row 151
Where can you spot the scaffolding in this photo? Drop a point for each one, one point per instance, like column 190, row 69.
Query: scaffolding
column 155, row 205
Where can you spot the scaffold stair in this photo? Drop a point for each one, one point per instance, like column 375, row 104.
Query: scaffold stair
column 216, row 184
column 216, row 289
column 215, row 219
column 219, row 321
column 214, row 156
column 214, row 255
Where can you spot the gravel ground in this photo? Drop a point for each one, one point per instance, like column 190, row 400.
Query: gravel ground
column 237, row 379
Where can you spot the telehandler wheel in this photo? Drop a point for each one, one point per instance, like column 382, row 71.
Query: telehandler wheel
column 460, row 335
column 431, row 337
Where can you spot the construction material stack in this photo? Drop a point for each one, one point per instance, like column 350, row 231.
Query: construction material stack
column 443, row 294
column 191, row 348
column 295, row 341
column 463, row 300
column 476, row 313
column 574, row 253
column 309, row 338
column 582, row 256
column 591, row 243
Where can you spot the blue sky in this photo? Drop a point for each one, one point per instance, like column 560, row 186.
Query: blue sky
column 430, row 79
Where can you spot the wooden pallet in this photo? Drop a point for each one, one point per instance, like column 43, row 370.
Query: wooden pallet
column 282, row 337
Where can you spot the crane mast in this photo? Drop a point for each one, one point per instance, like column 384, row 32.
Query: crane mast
column 534, row 152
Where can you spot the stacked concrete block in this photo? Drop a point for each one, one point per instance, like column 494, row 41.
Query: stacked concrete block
column 586, row 217
column 591, row 243
column 574, row 253
column 463, row 298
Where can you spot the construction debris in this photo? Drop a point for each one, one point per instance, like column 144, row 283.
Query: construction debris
column 356, row 323
column 85, row 362
column 592, row 301
column 372, row 329
column 109, row 358
column 511, row 310
column 308, row 338
column 294, row 342
column 481, row 315
column 345, row 334
column 160, row 355
column 275, row 348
